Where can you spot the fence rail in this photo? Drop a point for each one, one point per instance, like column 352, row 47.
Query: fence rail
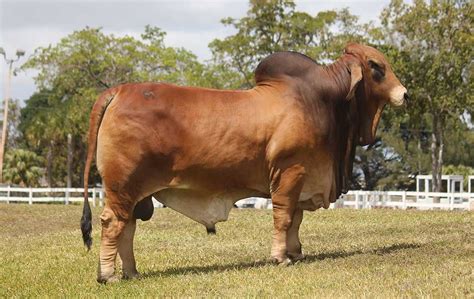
column 353, row 199
column 406, row 200
column 63, row 195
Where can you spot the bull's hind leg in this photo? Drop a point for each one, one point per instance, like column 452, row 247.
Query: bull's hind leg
column 286, row 190
column 118, row 226
column 143, row 210
column 293, row 243
column 125, row 250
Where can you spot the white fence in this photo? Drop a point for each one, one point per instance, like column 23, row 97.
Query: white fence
column 62, row 195
column 406, row 200
column 353, row 199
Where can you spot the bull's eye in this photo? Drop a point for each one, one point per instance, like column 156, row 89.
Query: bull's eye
column 378, row 72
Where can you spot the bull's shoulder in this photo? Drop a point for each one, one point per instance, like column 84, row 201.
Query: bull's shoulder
column 294, row 135
column 281, row 64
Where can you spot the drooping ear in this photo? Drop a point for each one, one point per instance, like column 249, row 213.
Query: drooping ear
column 356, row 76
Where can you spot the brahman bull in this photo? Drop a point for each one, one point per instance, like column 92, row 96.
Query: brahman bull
column 198, row 150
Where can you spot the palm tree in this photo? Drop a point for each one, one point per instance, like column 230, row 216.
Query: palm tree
column 22, row 167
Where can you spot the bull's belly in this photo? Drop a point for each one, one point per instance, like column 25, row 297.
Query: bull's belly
column 204, row 207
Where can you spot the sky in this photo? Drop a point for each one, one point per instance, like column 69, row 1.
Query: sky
column 192, row 24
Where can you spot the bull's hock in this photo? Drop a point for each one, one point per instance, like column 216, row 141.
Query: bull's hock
column 292, row 138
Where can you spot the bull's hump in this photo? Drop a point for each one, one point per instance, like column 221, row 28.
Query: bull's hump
column 281, row 64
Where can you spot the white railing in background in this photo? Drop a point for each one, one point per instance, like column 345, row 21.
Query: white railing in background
column 353, row 199
column 406, row 200
column 63, row 195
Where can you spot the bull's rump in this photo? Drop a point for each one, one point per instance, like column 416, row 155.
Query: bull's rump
column 160, row 135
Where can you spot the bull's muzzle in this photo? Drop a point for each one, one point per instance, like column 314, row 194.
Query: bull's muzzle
column 398, row 95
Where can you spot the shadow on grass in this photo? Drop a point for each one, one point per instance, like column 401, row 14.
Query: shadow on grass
column 308, row 259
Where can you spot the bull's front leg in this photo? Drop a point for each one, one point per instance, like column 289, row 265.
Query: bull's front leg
column 293, row 243
column 286, row 189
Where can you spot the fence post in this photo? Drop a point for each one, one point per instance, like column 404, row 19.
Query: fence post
column 340, row 201
column 404, row 200
column 93, row 197
column 66, row 200
column 8, row 194
column 30, row 196
column 101, row 198
column 357, row 199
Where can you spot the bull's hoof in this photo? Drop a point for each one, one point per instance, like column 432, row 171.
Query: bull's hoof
column 132, row 275
column 296, row 257
column 106, row 280
column 211, row 230
column 281, row 261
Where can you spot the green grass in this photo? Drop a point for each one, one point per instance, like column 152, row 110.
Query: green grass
column 350, row 253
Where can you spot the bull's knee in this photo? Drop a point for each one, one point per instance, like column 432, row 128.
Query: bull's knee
column 283, row 223
column 144, row 209
column 106, row 216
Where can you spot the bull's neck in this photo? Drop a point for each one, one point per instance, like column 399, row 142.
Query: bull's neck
column 338, row 73
column 345, row 120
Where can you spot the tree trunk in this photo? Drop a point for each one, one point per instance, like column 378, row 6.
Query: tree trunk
column 49, row 164
column 437, row 146
column 364, row 166
column 83, row 151
column 69, row 160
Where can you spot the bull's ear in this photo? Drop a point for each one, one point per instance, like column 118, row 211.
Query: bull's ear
column 356, row 77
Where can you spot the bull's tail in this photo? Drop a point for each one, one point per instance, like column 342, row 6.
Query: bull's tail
column 97, row 114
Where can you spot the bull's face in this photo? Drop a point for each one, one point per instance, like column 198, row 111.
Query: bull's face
column 373, row 85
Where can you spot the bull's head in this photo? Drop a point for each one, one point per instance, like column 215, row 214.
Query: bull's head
column 373, row 85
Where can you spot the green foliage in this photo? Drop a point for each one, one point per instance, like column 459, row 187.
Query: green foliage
column 431, row 47
column 459, row 148
column 435, row 47
column 13, row 134
column 22, row 167
column 275, row 25
column 378, row 167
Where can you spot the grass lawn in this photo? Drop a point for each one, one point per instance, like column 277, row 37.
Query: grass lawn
column 350, row 253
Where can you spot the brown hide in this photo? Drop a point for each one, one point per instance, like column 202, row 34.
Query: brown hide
column 198, row 151
column 157, row 136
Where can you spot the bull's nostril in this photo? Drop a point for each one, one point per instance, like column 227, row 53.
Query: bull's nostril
column 405, row 96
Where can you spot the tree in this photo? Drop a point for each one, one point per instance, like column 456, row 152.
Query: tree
column 22, row 167
column 275, row 25
column 41, row 127
column 378, row 167
column 13, row 135
column 432, row 46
